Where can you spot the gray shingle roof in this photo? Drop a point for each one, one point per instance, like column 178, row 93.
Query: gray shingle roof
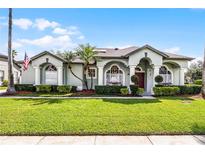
column 126, row 52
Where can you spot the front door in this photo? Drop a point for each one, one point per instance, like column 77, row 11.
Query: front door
column 141, row 79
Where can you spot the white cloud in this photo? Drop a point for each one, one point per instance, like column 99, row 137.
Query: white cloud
column 50, row 42
column 60, row 31
column 81, row 37
column 42, row 24
column 22, row 23
column 172, row 50
column 16, row 45
column 71, row 30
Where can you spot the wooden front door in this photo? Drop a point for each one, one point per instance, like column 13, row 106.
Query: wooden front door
column 141, row 79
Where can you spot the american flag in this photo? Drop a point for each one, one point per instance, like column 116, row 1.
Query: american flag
column 25, row 62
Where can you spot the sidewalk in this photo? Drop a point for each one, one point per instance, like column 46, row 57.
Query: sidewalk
column 105, row 140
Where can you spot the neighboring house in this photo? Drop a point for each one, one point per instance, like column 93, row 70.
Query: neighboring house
column 114, row 67
column 4, row 69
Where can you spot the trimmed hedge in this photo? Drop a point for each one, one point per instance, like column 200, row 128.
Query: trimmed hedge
column 198, row 82
column 5, row 83
column 108, row 90
column 124, row 91
column 186, row 89
column 64, row 89
column 133, row 89
column 24, row 87
column 166, row 91
column 43, row 88
column 140, row 91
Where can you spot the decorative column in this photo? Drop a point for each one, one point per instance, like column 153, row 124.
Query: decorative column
column 155, row 73
column 181, row 76
column 132, row 72
column 60, row 75
column 37, row 75
column 100, row 75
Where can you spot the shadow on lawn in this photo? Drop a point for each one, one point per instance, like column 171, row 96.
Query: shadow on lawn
column 131, row 101
column 41, row 101
column 176, row 98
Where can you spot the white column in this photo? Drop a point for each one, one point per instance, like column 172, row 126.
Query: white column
column 155, row 73
column 100, row 75
column 37, row 75
column 60, row 75
column 132, row 72
column 181, row 76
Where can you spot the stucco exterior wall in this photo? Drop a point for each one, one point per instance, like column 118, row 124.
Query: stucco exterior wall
column 72, row 80
column 135, row 58
column 28, row 76
column 4, row 67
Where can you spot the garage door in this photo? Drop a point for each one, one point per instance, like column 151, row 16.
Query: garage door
column 51, row 78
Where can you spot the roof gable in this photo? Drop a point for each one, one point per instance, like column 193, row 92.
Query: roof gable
column 147, row 47
column 47, row 53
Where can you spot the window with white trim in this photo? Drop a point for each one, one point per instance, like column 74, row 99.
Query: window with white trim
column 114, row 76
column 166, row 75
column 91, row 73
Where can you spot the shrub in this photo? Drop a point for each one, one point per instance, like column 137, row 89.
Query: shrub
column 166, row 91
column 24, row 87
column 64, row 89
column 54, row 88
column 135, row 79
column 133, row 89
column 124, row 91
column 5, row 83
column 140, row 91
column 198, row 82
column 108, row 90
column 73, row 89
column 190, row 89
column 43, row 88
column 158, row 79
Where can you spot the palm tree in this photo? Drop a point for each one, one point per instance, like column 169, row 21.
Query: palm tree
column 14, row 53
column 10, row 89
column 87, row 54
column 69, row 56
column 203, row 78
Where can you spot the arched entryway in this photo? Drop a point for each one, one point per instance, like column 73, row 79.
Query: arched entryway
column 49, row 74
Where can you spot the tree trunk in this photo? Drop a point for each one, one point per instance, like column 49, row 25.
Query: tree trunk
column 203, row 78
column 10, row 89
column 74, row 74
column 84, row 76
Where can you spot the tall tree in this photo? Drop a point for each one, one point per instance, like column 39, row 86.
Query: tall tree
column 87, row 54
column 203, row 78
column 10, row 89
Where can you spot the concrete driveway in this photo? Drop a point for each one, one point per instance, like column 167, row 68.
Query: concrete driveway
column 105, row 140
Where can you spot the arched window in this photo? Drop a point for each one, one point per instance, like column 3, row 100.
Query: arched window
column 114, row 76
column 51, row 77
column 50, row 67
column 166, row 74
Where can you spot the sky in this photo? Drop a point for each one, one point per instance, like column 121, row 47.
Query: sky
column 180, row 31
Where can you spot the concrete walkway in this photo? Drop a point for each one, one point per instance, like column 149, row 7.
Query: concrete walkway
column 59, row 97
column 105, row 140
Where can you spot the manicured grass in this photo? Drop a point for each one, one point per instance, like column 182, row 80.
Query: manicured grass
column 101, row 116
column 3, row 88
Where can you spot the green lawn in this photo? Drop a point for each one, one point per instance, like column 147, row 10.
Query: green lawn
column 101, row 116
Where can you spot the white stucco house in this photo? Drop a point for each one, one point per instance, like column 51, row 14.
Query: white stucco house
column 4, row 69
column 115, row 66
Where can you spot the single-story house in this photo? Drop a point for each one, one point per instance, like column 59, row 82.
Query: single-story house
column 4, row 69
column 114, row 66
